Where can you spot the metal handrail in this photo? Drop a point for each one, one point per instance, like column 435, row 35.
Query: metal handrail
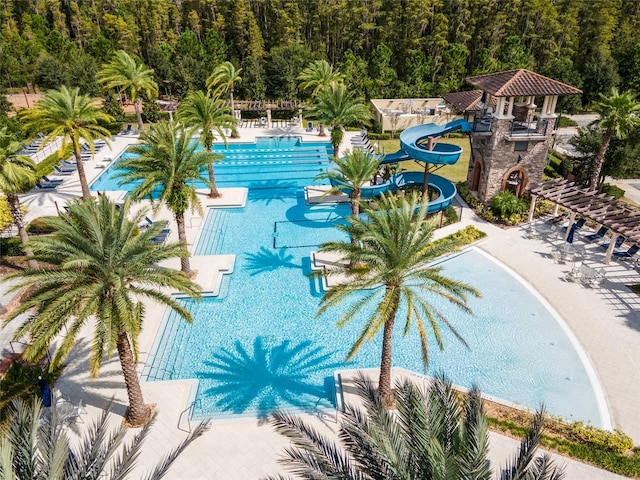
column 529, row 128
column 153, row 368
column 189, row 409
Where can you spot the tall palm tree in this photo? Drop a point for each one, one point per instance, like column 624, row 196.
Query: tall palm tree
column 37, row 446
column 432, row 436
column 98, row 269
column 68, row 114
column 125, row 73
column 200, row 110
column 17, row 175
column 619, row 116
column 337, row 107
column 387, row 267
column 318, row 75
column 222, row 80
column 167, row 165
column 350, row 174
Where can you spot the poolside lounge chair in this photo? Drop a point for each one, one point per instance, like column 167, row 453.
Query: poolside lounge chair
column 619, row 241
column 46, row 186
column 161, row 237
column 594, row 237
column 126, row 131
column 309, row 127
column 57, row 181
column 148, row 222
column 65, row 170
column 628, row 254
column 579, row 223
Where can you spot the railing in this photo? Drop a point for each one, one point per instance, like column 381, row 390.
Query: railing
column 482, row 124
column 189, row 411
column 529, row 128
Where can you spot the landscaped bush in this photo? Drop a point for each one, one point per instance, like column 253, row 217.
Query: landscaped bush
column 21, row 381
column 566, row 122
column 379, row 136
column 612, row 190
column 40, row 226
column 463, row 237
column 465, row 192
column 508, row 207
column 11, row 247
column 450, row 215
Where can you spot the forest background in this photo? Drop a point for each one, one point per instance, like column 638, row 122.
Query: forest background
column 386, row 48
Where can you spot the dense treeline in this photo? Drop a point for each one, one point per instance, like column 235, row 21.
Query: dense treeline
column 386, row 48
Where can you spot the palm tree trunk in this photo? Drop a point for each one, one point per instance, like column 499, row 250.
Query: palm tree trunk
column 384, row 383
column 137, row 411
column 185, row 266
column 234, row 132
column 18, row 220
column 86, row 195
column 355, row 210
column 597, row 166
column 214, row 193
column 136, row 105
column 321, row 132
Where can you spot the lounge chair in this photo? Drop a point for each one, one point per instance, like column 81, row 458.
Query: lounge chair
column 46, row 179
column 619, row 241
column 594, row 237
column 579, row 223
column 161, row 237
column 628, row 254
column 64, row 170
column 126, row 131
column 309, row 127
column 46, row 186
column 148, row 222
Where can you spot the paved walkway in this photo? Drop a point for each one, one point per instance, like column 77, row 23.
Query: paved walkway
column 605, row 322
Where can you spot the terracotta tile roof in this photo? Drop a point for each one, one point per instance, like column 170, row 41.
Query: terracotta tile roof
column 522, row 82
column 463, row 101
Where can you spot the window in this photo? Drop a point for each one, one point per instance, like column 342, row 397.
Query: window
column 521, row 146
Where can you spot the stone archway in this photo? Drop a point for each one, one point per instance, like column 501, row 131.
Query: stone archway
column 476, row 176
column 515, row 180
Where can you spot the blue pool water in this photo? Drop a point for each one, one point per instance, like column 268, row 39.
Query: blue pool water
column 259, row 345
column 283, row 162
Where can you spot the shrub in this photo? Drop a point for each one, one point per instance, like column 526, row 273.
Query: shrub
column 450, row 215
column 40, row 226
column 21, row 381
column 566, row 122
column 379, row 136
column 465, row 192
column 506, row 205
column 468, row 235
column 615, row 441
column 612, row 190
column 11, row 247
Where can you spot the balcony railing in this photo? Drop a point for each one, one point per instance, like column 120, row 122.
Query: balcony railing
column 482, row 124
column 529, row 129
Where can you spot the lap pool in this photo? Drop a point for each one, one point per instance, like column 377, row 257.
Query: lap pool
column 259, row 346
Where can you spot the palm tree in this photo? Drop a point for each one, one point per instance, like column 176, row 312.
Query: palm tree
column 222, row 80
column 432, row 436
column 68, row 114
column 37, row 446
column 389, row 264
column 167, row 165
column 337, row 107
column 17, row 175
column 99, row 267
column 351, row 173
column 619, row 116
column 124, row 73
column 318, row 75
column 200, row 110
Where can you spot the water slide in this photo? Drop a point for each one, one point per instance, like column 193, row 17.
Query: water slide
column 416, row 145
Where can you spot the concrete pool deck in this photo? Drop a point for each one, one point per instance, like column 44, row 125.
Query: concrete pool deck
column 605, row 321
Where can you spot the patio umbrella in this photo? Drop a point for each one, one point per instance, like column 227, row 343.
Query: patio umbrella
column 571, row 232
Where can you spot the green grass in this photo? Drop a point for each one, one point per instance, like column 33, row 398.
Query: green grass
column 455, row 173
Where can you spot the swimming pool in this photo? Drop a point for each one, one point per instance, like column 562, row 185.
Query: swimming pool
column 270, row 162
column 258, row 345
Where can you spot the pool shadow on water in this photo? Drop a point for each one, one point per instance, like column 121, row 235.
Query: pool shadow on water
column 263, row 378
column 269, row 191
column 267, row 260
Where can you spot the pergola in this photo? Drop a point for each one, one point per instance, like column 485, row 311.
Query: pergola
column 619, row 217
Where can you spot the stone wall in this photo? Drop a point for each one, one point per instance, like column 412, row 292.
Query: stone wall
column 498, row 155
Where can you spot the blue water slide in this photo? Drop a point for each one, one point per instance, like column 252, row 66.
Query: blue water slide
column 414, row 144
column 445, row 188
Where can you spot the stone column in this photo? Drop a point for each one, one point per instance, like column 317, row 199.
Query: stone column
column 612, row 245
